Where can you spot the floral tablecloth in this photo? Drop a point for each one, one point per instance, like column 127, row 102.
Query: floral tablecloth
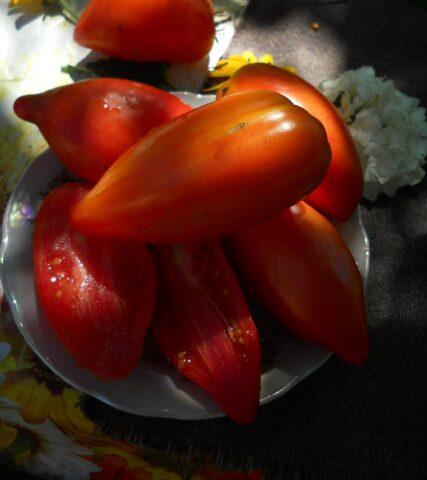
column 43, row 430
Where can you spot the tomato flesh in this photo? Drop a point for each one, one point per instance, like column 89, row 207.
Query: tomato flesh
column 298, row 266
column 97, row 294
column 203, row 325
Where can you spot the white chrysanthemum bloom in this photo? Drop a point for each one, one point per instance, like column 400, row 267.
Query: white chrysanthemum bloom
column 56, row 456
column 4, row 352
column 389, row 128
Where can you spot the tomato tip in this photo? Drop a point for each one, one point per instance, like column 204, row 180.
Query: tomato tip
column 25, row 107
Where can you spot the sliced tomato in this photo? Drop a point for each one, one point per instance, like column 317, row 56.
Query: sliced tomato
column 203, row 325
column 301, row 270
column 89, row 124
column 215, row 169
column 341, row 189
column 148, row 30
column 97, row 294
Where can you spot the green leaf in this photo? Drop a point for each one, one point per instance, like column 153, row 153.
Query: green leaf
column 78, row 72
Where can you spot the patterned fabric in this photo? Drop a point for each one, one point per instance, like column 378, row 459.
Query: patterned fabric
column 44, row 431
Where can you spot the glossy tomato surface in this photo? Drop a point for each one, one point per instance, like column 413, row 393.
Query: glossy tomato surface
column 148, row 30
column 97, row 294
column 211, row 171
column 298, row 266
column 89, row 124
column 341, row 189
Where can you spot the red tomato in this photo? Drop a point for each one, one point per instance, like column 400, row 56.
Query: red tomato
column 97, row 294
column 90, row 124
column 202, row 323
column 215, row 169
column 299, row 267
column 148, row 30
column 341, row 189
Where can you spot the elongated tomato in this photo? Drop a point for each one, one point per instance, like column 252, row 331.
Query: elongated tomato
column 148, row 30
column 341, row 190
column 215, row 169
column 299, row 267
column 202, row 323
column 90, row 124
column 97, row 294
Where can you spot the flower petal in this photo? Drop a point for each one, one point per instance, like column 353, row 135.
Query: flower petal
column 389, row 128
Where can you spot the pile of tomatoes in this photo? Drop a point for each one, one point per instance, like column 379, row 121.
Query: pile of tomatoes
column 183, row 214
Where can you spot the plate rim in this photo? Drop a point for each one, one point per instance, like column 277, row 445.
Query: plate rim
column 142, row 411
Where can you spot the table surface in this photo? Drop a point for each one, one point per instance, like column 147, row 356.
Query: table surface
column 342, row 422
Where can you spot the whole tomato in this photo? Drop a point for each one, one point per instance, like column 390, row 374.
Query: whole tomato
column 300, row 269
column 215, row 169
column 89, row 124
column 341, row 189
column 148, row 30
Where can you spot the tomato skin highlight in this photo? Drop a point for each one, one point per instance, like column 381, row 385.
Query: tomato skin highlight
column 209, row 172
column 341, row 190
column 89, row 124
column 148, row 30
column 300, row 269
column 203, row 325
column 97, row 294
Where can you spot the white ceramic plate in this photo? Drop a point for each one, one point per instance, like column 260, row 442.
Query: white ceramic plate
column 153, row 388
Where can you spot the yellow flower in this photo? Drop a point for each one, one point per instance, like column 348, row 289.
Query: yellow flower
column 38, row 403
column 27, row 6
column 225, row 68
column 43, row 449
column 18, row 3
column 35, row 7
column 7, row 435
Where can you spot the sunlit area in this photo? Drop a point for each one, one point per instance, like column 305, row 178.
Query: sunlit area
column 214, row 224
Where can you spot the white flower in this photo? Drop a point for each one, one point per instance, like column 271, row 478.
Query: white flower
column 57, row 456
column 4, row 352
column 389, row 128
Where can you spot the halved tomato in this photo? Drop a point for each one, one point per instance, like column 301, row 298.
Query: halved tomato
column 202, row 323
column 97, row 294
column 302, row 271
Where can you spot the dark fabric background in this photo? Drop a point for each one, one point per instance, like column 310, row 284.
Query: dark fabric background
column 342, row 422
